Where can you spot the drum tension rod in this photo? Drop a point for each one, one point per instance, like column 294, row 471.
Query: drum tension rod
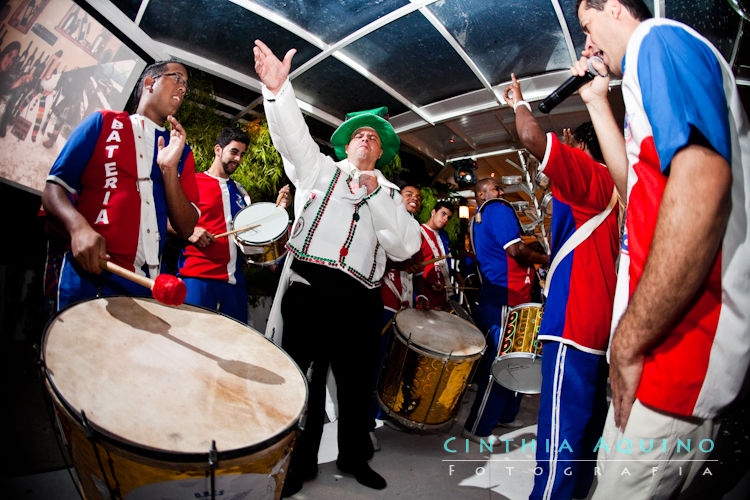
column 90, row 434
column 213, row 458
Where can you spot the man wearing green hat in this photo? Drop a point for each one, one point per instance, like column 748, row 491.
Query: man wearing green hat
column 351, row 220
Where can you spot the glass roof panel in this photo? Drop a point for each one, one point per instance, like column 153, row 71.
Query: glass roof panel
column 413, row 58
column 337, row 89
column 316, row 16
column 574, row 27
column 221, row 31
column 714, row 19
column 522, row 37
column 441, row 138
column 129, row 7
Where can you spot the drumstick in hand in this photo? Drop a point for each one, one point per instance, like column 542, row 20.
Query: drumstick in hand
column 240, row 230
column 432, row 261
column 166, row 288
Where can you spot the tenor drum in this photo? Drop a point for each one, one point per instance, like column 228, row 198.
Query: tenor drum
column 266, row 243
column 518, row 365
column 174, row 403
column 428, row 366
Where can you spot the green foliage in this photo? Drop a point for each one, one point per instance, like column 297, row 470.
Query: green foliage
column 198, row 117
column 262, row 170
column 430, row 197
column 392, row 169
column 428, row 202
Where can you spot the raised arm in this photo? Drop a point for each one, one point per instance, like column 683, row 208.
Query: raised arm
column 609, row 133
column 531, row 134
column 272, row 71
column 182, row 215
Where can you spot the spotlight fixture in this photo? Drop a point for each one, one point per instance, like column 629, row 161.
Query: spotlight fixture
column 465, row 174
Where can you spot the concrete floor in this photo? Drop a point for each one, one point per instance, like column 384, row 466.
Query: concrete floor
column 416, row 465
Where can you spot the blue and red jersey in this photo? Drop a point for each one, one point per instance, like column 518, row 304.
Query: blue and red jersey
column 678, row 90
column 578, row 309
column 99, row 164
column 497, row 230
column 220, row 201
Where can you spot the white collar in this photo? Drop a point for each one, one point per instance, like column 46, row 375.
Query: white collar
column 349, row 169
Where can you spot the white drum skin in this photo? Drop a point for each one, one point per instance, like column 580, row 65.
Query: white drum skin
column 159, row 386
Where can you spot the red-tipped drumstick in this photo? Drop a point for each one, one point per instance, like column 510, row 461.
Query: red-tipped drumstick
column 166, row 288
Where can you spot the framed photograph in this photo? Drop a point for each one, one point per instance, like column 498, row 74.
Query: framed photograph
column 25, row 15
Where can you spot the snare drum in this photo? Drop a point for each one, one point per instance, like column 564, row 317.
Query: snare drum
column 162, row 402
column 518, row 365
column 266, row 244
column 428, row 366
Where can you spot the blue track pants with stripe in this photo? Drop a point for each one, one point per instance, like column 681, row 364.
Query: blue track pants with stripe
column 572, row 410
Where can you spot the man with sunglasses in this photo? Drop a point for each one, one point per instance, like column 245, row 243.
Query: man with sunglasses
column 131, row 176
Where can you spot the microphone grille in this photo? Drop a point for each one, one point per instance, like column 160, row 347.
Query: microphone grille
column 592, row 70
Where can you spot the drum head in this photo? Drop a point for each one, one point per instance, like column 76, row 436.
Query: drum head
column 171, row 379
column 273, row 220
column 440, row 332
column 519, row 372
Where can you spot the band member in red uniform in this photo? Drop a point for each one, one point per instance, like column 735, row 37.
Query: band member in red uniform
column 130, row 175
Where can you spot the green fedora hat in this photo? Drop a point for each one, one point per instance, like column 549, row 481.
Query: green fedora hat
column 375, row 119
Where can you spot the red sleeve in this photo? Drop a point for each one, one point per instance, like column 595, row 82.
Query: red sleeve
column 576, row 178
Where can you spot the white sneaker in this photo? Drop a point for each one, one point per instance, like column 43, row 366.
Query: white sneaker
column 515, row 424
column 490, row 440
column 375, row 442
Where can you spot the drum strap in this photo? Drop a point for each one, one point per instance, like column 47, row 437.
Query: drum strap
column 406, row 287
column 477, row 219
column 442, row 266
column 578, row 237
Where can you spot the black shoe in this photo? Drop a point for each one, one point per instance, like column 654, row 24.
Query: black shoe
column 363, row 474
column 308, row 473
column 295, row 478
column 292, row 485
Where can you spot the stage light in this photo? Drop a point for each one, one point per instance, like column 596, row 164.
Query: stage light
column 465, row 174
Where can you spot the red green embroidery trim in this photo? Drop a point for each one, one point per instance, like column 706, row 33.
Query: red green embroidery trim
column 319, row 214
column 311, row 258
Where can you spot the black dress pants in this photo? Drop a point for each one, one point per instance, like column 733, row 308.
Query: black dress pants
column 333, row 322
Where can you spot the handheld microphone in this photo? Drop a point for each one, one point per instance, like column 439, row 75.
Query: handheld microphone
column 568, row 87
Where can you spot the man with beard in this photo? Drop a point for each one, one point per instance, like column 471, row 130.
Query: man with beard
column 210, row 267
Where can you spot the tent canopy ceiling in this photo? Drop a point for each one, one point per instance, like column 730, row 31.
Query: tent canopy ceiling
column 439, row 65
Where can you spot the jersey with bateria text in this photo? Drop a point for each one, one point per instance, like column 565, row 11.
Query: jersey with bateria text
column 578, row 309
column 678, row 90
column 98, row 163
column 220, row 201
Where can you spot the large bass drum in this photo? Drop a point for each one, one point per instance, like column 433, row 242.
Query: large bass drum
column 172, row 403
column 428, row 366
